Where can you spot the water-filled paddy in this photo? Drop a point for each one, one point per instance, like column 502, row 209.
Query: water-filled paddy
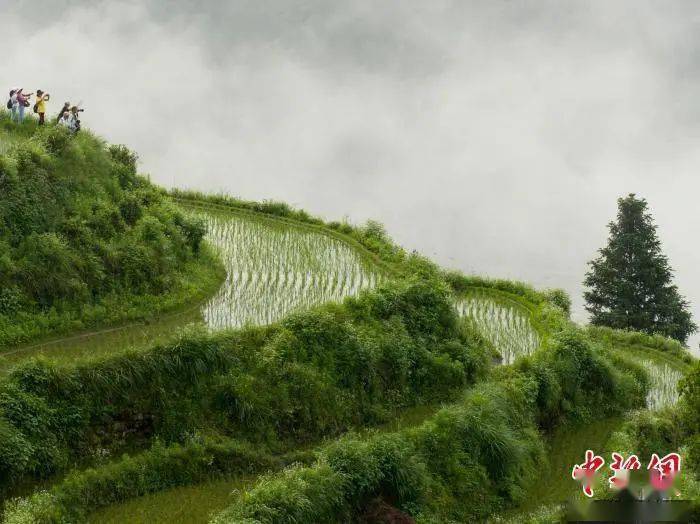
column 184, row 505
column 272, row 268
column 663, row 390
column 503, row 322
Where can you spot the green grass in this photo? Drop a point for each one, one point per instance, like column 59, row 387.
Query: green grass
column 185, row 505
column 565, row 447
column 196, row 503
column 7, row 141
column 164, row 319
column 637, row 351
column 93, row 344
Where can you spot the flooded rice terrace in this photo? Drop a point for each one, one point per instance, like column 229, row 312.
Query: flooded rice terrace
column 663, row 387
column 505, row 323
column 273, row 269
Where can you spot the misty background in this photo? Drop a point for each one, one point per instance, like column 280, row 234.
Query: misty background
column 493, row 137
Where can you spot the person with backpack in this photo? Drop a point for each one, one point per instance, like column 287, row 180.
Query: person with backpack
column 22, row 103
column 12, row 104
column 40, row 105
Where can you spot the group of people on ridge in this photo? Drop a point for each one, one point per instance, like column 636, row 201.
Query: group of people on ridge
column 19, row 101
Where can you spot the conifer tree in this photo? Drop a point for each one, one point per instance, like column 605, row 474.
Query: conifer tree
column 630, row 283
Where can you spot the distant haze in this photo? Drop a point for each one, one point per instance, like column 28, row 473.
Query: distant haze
column 494, row 137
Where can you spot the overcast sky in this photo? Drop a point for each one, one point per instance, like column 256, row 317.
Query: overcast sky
column 494, row 137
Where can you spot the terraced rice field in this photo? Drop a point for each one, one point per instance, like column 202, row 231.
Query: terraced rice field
column 273, row 269
column 502, row 321
column 664, row 382
column 505, row 323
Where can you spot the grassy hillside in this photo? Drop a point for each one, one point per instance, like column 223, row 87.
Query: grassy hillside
column 235, row 404
column 85, row 240
column 312, row 376
column 337, row 378
column 238, row 403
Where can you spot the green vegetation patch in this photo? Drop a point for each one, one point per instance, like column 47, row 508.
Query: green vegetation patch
column 84, row 240
column 160, row 468
column 194, row 504
column 315, row 374
column 463, row 464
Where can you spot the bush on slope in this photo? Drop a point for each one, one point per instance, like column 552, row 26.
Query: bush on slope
column 315, row 374
column 467, row 462
column 198, row 459
column 80, row 229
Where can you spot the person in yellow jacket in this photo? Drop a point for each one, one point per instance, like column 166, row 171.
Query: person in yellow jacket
column 40, row 106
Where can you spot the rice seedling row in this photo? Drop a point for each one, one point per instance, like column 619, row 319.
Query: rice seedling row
column 273, row 270
column 663, row 387
column 504, row 323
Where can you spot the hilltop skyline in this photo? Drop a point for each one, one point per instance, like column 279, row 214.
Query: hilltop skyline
column 494, row 138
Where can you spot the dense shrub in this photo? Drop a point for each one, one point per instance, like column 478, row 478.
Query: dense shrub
column 79, row 227
column 56, row 140
column 330, row 368
column 467, row 461
column 162, row 467
column 690, row 399
column 315, row 374
column 688, row 412
column 575, row 381
column 559, row 298
column 654, row 432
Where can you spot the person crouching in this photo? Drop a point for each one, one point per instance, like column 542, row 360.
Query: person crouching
column 65, row 109
column 65, row 119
